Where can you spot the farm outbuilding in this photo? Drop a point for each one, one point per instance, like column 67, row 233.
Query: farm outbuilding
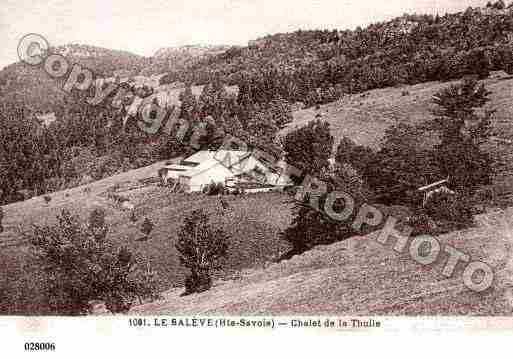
column 435, row 188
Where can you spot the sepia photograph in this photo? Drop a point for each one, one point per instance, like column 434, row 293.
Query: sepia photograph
column 284, row 166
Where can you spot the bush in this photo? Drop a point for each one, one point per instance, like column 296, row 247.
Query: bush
column 201, row 248
column 214, row 189
column 1, row 219
column 146, row 228
column 449, row 209
column 82, row 265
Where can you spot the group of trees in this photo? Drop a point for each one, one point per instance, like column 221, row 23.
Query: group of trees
column 451, row 146
column 309, row 149
column 320, row 66
column 84, row 143
column 78, row 265
column 408, row 159
column 81, row 265
column 88, row 143
column 219, row 113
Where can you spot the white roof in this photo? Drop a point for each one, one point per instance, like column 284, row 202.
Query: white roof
column 429, row 186
column 220, row 156
column 178, row 167
column 234, row 162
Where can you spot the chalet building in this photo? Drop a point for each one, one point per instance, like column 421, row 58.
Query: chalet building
column 233, row 169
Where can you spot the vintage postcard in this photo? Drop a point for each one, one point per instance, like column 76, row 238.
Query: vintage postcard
column 202, row 168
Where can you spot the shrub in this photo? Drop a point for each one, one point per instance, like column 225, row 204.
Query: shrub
column 201, row 248
column 449, row 209
column 133, row 217
column 1, row 219
column 214, row 189
column 146, row 228
column 81, row 265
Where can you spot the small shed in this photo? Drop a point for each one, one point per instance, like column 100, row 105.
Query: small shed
column 433, row 188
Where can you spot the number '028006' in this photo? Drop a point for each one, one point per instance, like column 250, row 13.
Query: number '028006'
column 33, row 346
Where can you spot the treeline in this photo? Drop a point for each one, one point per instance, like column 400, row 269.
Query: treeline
column 319, row 66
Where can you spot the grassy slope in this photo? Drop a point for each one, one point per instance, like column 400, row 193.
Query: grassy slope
column 369, row 278
column 363, row 117
column 253, row 221
column 360, row 277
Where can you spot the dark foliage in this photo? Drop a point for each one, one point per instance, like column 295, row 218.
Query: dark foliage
column 462, row 133
column 147, row 227
column 214, row 189
column 201, row 248
column 319, row 66
column 309, row 148
column 81, row 265
column 451, row 209
column 311, row 227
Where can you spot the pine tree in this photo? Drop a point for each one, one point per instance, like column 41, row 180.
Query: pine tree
column 462, row 131
column 201, row 248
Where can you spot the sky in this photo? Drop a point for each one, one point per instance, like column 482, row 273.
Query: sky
column 144, row 26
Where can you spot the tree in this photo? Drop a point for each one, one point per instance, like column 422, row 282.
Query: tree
column 311, row 227
column 82, row 265
column 359, row 157
column 280, row 112
column 201, row 248
column 189, row 108
column 146, row 228
column 309, row 148
column 403, row 164
column 214, row 100
column 505, row 58
column 463, row 131
column 1, row 219
column 478, row 63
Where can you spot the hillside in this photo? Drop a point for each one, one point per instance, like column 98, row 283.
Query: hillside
column 25, row 84
column 308, row 66
column 21, row 83
column 349, row 274
column 316, row 65
column 364, row 117
column 258, row 218
column 360, row 277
